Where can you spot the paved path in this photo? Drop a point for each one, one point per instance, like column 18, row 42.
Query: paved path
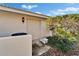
column 41, row 50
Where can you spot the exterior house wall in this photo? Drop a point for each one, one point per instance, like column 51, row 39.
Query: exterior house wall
column 44, row 29
column 12, row 22
column 37, row 27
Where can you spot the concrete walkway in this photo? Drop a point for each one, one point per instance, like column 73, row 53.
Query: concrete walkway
column 41, row 50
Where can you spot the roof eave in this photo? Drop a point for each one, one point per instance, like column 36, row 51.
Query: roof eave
column 21, row 11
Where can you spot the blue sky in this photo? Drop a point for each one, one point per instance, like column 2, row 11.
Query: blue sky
column 50, row 9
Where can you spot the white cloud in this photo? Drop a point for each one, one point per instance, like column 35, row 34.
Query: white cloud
column 57, row 12
column 60, row 13
column 29, row 6
column 64, row 11
column 49, row 14
column 69, row 9
column 38, row 12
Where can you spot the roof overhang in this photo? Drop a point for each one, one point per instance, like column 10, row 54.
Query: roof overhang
column 21, row 12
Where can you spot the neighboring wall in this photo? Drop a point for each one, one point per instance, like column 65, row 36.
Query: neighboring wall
column 37, row 27
column 44, row 29
column 12, row 22
column 16, row 46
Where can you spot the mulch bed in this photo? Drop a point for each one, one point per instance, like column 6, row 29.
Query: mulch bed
column 56, row 52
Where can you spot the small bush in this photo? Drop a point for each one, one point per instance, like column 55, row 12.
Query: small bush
column 61, row 43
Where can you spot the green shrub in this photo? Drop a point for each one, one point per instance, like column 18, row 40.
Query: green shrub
column 61, row 43
column 65, row 30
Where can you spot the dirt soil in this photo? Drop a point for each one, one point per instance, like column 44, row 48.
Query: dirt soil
column 56, row 52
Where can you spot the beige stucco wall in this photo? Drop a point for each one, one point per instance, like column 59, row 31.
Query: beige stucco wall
column 16, row 46
column 12, row 23
column 44, row 29
column 36, row 26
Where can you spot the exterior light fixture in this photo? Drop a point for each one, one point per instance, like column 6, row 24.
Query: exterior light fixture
column 23, row 19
